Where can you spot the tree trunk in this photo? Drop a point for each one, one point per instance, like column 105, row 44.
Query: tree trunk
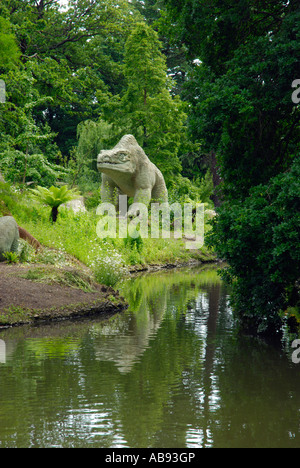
column 25, row 168
column 54, row 214
column 213, row 165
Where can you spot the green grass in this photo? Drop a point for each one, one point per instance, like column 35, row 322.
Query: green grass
column 75, row 235
column 73, row 279
column 11, row 257
column 15, row 314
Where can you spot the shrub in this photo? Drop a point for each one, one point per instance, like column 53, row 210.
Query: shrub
column 26, row 252
column 259, row 238
column 108, row 269
column 11, row 257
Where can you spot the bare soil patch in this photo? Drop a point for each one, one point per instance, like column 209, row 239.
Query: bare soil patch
column 25, row 301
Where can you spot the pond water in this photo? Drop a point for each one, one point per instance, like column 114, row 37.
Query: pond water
column 171, row 371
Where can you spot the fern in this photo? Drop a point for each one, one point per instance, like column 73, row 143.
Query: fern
column 54, row 197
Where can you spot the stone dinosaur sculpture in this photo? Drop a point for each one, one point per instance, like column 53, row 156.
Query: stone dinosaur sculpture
column 128, row 171
column 9, row 235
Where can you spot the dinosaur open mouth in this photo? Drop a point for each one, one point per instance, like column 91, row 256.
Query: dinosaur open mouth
column 109, row 162
column 124, row 167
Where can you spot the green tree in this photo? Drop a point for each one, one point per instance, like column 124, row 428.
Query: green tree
column 241, row 110
column 92, row 138
column 27, row 150
column 240, row 93
column 9, row 51
column 148, row 109
column 259, row 237
column 74, row 56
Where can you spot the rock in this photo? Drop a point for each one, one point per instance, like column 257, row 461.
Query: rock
column 9, row 235
column 76, row 206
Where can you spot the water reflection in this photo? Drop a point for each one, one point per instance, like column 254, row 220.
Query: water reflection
column 169, row 372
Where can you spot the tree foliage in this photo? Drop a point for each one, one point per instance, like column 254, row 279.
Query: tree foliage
column 27, row 149
column 239, row 92
column 259, row 237
column 92, row 138
column 93, row 60
column 9, row 51
column 71, row 60
column 147, row 108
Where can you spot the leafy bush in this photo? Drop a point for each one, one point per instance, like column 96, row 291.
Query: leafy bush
column 108, row 269
column 26, row 252
column 11, row 257
column 259, row 237
column 7, row 198
column 182, row 190
column 92, row 199
column 19, row 167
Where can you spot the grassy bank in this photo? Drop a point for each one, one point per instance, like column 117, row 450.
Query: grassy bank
column 74, row 272
column 35, row 293
column 75, row 234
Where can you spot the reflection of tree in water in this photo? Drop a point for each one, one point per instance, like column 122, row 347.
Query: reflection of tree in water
column 134, row 377
column 125, row 348
column 150, row 297
column 169, row 372
column 208, row 364
column 161, row 386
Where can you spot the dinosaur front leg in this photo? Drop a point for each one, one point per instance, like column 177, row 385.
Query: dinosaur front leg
column 109, row 191
column 141, row 201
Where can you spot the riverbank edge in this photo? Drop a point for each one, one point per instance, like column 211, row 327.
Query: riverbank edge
column 199, row 259
column 103, row 307
column 23, row 301
column 108, row 303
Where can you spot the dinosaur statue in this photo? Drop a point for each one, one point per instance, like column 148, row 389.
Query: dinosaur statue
column 9, row 236
column 128, row 171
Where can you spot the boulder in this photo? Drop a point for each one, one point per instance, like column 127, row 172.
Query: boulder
column 77, row 205
column 9, row 236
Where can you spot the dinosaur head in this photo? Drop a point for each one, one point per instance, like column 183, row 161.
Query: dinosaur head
column 124, row 157
column 118, row 160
